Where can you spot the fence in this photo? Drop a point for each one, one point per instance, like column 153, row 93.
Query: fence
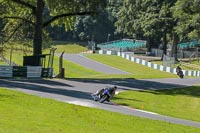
column 149, row 64
column 25, row 71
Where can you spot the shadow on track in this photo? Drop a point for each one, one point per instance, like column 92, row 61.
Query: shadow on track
column 131, row 84
column 43, row 86
column 154, row 87
column 77, row 88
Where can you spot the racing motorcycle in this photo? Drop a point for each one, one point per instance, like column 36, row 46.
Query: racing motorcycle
column 104, row 96
column 180, row 74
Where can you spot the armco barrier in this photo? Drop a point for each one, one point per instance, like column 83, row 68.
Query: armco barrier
column 47, row 72
column 19, row 71
column 149, row 64
column 34, row 71
column 6, row 71
column 25, row 71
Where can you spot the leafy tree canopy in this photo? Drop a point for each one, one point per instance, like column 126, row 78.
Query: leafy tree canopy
column 33, row 16
column 187, row 13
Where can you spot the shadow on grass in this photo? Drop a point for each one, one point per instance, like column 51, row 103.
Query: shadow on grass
column 187, row 91
column 130, row 99
column 3, row 97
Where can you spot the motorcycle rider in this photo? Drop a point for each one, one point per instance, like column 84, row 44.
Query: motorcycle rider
column 178, row 69
column 99, row 93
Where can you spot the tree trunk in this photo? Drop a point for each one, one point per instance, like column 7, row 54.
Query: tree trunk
column 164, row 43
column 37, row 41
column 175, row 41
column 149, row 43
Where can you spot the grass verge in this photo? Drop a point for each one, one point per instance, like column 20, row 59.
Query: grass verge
column 26, row 113
column 181, row 102
column 138, row 71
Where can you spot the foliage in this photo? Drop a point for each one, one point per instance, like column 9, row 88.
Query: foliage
column 94, row 28
column 157, row 21
column 188, row 15
column 33, row 16
column 146, row 18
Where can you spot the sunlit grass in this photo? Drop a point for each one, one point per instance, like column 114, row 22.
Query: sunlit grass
column 21, row 113
column 138, row 71
column 73, row 70
column 70, row 48
column 181, row 102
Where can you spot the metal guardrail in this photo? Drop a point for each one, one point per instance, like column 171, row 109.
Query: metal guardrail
column 47, row 72
column 34, row 71
column 6, row 71
column 25, row 71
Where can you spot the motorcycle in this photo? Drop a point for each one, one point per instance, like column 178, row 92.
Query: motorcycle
column 180, row 74
column 104, row 96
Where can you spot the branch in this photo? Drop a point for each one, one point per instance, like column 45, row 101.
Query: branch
column 13, row 33
column 16, row 17
column 33, row 8
column 66, row 15
column 16, row 29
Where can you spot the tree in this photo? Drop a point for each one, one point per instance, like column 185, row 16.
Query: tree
column 187, row 13
column 146, row 18
column 94, row 28
column 29, row 14
column 140, row 17
column 126, row 15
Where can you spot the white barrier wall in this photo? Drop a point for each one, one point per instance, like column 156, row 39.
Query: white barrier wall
column 149, row 64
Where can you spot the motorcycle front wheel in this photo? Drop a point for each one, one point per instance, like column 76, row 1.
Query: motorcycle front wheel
column 104, row 98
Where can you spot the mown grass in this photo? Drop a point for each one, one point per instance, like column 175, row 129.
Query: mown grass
column 137, row 71
column 70, row 48
column 17, row 57
column 3, row 63
column 181, row 102
column 73, row 70
column 22, row 113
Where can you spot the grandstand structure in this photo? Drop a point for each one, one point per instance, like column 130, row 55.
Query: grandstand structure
column 190, row 44
column 189, row 49
column 122, row 45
